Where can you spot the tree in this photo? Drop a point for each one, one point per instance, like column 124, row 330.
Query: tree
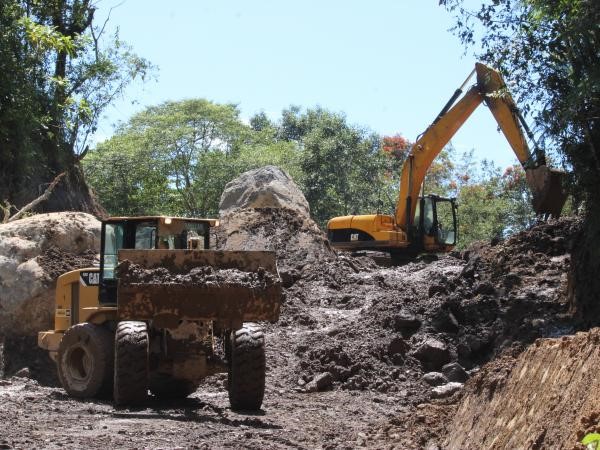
column 549, row 50
column 341, row 165
column 177, row 157
column 58, row 74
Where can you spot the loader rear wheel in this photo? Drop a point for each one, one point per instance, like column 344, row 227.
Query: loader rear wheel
column 165, row 387
column 131, row 363
column 247, row 368
column 85, row 360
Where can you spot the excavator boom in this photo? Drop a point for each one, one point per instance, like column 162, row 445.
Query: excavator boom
column 545, row 183
column 434, row 228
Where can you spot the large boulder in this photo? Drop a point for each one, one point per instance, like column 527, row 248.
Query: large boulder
column 34, row 251
column 266, row 187
column 264, row 209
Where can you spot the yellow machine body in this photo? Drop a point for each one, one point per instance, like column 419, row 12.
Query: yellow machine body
column 176, row 319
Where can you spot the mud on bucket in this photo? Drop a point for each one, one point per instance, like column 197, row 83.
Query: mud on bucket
column 548, row 189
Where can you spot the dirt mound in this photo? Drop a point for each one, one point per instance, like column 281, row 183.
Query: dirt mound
column 382, row 329
column 516, row 403
column 33, row 252
column 295, row 238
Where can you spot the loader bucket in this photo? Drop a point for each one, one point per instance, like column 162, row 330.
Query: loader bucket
column 229, row 287
column 548, row 189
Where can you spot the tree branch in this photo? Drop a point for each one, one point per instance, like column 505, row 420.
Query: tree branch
column 35, row 202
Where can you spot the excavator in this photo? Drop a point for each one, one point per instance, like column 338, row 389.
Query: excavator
column 428, row 223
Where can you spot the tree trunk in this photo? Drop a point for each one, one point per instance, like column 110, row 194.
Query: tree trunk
column 73, row 194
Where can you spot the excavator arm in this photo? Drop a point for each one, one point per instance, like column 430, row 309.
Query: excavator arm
column 545, row 184
column 435, row 229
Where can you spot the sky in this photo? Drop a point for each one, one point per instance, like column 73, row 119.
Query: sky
column 389, row 65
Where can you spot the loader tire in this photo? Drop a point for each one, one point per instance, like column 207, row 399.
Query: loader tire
column 165, row 387
column 131, row 363
column 247, row 366
column 85, row 360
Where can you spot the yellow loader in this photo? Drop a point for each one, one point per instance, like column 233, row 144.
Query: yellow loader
column 162, row 312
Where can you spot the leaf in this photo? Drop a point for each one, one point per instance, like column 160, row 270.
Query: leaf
column 591, row 438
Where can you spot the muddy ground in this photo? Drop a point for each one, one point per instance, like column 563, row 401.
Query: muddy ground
column 363, row 354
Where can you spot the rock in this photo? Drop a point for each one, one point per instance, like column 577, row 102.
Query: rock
column 432, row 353
column 469, row 269
column 455, row 372
column 445, row 322
column 23, row 373
column 397, row 346
column 406, row 323
column 33, row 252
column 484, row 287
column 446, row 390
column 320, row 383
column 266, row 187
column 436, row 289
column 435, row 378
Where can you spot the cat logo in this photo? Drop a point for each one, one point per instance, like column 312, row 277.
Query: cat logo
column 354, row 237
column 89, row 278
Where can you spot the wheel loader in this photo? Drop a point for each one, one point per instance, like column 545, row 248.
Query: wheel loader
column 428, row 223
column 162, row 312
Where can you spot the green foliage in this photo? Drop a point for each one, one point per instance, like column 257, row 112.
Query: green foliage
column 177, row 157
column 548, row 50
column 591, row 440
column 341, row 164
column 57, row 74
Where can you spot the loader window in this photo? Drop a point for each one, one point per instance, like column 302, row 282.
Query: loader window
column 145, row 235
column 113, row 241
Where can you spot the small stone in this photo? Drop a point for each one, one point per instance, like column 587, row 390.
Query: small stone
column 433, row 354
column 320, row 383
column 455, row 372
column 23, row 373
column 446, row 390
column 435, row 378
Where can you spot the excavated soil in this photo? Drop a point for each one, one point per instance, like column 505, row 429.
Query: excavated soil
column 355, row 355
column 131, row 273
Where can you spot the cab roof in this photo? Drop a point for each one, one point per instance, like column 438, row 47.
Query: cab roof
column 212, row 222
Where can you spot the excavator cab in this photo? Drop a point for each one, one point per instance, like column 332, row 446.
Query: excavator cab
column 435, row 224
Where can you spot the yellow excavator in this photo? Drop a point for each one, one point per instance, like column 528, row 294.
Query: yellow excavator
column 428, row 223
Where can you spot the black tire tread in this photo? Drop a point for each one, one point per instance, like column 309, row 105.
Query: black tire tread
column 131, row 363
column 247, row 368
column 99, row 341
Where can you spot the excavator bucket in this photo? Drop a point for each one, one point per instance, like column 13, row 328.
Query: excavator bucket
column 167, row 286
column 548, row 189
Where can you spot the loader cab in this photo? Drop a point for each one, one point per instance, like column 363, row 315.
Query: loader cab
column 436, row 223
column 145, row 233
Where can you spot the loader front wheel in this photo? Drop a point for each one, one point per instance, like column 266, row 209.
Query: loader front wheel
column 85, row 360
column 247, row 368
column 131, row 363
